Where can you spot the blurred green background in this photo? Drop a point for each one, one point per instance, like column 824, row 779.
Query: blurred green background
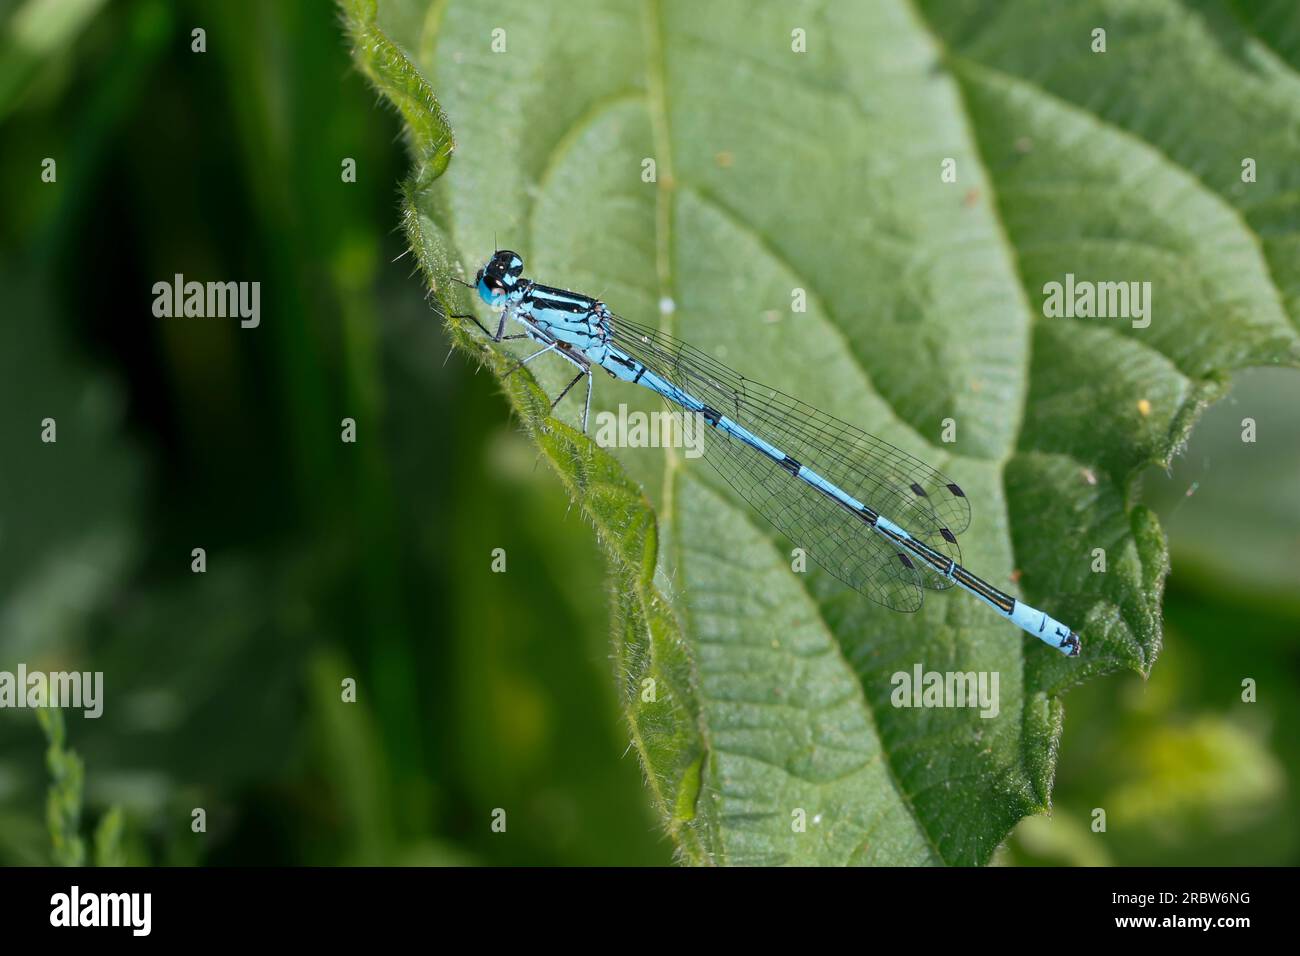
column 372, row 560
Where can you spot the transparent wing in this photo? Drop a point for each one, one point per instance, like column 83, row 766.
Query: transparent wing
column 927, row 503
column 846, row 548
column 884, row 477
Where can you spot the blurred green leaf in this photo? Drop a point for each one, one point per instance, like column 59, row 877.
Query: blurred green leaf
column 1181, row 774
column 66, row 531
column 1229, row 504
column 33, row 32
column 1061, row 840
column 778, row 170
column 67, row 787
column 109, row 832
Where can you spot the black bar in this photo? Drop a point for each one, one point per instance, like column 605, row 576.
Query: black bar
column 1044, row 907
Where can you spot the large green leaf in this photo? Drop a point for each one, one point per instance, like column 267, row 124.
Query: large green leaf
column 778, row 170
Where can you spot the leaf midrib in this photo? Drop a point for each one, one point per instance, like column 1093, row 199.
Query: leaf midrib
column 657, row 105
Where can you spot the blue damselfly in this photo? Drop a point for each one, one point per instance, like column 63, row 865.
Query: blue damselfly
column 877, row 518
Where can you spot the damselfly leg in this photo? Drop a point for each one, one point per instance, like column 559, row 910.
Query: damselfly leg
column 499, row 337
column 586, row 409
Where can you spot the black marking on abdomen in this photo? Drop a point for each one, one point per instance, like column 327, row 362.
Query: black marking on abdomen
column 1003, row 602
column 711, row 415
column 638, row 375
column 790, row 465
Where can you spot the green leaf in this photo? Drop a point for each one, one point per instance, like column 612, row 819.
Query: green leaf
column 759, row 697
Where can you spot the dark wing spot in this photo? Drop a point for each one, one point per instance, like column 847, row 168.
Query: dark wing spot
column 956, row 491
column 907, row 562
column 948, row 535
column 919, row 490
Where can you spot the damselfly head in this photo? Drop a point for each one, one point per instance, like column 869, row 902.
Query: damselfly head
column 498, row 278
